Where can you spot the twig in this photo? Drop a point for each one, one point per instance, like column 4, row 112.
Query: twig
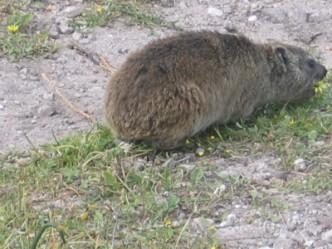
column 106, row 65
column 30, row 142
column 65, row 100
column 182, row 230
column 94, row 57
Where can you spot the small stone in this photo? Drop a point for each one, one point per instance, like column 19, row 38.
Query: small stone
column 123, row 51
column 46, row 110
column 201, row 224
column 64, row 27
column 24, row 70
column 252, row 18
column 2, row 107
column 187, row 167
column 17, row 102
column 285, row 244
column 23, row 161
column 77, row 36
column 48, row 96
column 327, row 236
column 219, row 190
column 214, row 11
column 229, row 221
column 53, row 32
column 309, row 243
column 300, row 165
column 73, row 11
column 167, row 3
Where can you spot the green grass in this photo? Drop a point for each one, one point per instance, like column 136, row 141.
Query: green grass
column 100, row 194
column 18, row 38
column 106, row 11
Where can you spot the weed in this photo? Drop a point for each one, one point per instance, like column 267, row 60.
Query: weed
column 19, row 40
column 103, row 14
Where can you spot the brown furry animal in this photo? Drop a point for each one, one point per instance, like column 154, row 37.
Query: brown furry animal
column 175, row 87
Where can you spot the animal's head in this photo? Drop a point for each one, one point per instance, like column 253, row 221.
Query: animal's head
column 295, row 73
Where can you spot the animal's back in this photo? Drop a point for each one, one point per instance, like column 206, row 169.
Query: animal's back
column 180, row 85
column 156, row 90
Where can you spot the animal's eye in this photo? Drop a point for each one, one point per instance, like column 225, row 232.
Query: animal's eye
column 311, row 63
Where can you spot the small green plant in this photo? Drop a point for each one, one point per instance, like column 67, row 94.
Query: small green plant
column 19, row 40
column 106, row 12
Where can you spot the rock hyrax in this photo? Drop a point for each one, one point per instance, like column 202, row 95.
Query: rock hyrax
column 175, row 87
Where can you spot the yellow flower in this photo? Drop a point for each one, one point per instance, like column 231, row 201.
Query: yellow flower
column 188, row 141
column 100, row 9
column 292, row 122
column 84, row 216
column 167, row 222
column 212, row 137
column 213, row 247
column 320, row 87
column 13, row 28
column 200, row 152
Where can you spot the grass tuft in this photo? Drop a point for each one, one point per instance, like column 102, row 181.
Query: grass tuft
column 107, row 11
column 19, row 40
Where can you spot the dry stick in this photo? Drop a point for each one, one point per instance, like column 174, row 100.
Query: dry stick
column 93, row 57
column 106, row 65
column 65, row 100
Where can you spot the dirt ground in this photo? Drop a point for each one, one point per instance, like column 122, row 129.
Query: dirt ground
column 29, row 108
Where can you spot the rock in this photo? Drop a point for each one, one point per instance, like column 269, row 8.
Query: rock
column 219, row 190
column 23, row 73
column 77, row 36
column 2, row 107
column 46, row 111
column 300, row 165
column 187, row 167
column 214, row 11
column 123, row 51
column 201, row 225
column 242, row 232
column 284, row 243
column 309, row 243
column 327, row 236
column 64, row 28
column 48, row 96
column 54, row 32
column 73, row 11
column 167, row 3
column 229, row 221
column 252, row 18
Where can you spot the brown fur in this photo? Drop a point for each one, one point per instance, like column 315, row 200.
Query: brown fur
column 180, row 85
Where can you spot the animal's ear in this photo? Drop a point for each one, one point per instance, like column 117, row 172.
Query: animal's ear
column 282, row 54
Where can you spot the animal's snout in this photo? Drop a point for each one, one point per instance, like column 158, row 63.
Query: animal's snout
column 322, row 71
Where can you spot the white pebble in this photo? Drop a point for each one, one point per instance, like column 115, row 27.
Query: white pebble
column 299, row 164
column 214, row 11
column 252, row 18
